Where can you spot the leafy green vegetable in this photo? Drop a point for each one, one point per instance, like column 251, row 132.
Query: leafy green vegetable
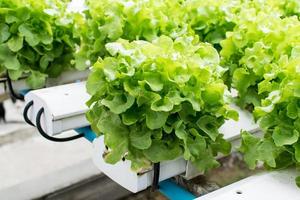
column 211, row 19
column 159, row 101
column 262, row 56
column 106, row 21
column 34, row 41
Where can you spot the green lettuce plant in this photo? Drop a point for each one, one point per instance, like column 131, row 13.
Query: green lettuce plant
column 34, row 41
column 106, row 21
column 262, row 54
column 211, row 19
column 159, row 101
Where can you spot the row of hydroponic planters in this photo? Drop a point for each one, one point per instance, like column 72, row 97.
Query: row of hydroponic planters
column 35, row 34
column 165, row 98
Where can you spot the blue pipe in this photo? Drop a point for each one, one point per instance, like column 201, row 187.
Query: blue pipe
column 173, row 191
column 88, row 133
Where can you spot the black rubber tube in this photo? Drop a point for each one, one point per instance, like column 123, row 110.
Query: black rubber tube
column 12, row 91
column 53, row 139
column 25, row 113
column 156, row 169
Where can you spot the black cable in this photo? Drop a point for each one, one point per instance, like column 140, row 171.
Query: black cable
column 11, row 90
column 2, row 112
column 25, row 113
column 3, row 80
column 45, row 135
column 156, row 169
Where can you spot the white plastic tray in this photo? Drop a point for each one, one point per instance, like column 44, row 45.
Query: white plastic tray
column 277, row 185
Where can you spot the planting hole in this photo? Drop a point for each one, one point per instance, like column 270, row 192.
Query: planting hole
column 239, row 192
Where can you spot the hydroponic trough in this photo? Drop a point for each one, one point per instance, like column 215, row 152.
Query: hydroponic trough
column 64, row 109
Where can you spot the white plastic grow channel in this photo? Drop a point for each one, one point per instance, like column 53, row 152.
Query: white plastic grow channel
column 123, row 175
column 65, row 109
column 65, row 78
column 277, row 185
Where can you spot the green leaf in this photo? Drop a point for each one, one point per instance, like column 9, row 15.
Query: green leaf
column 175, row 97
column 221, row 145
column 31, row 38
column 115, row 136
column 285, row 136
column 242, row 80
column 45, row 61
column 15, row 74
column 12, row 63
column 36, row 80
column 81, row 62
column 213, row 93
column 155, row 120
column 292, row 110
column 194, row 102
column 298, row 181
column 159, row 151
column 154, row 81
column 187, row 112
column 28, row 54
column 232, row 114
column 139, row 162
column 140, row 139
column 297, row 151
column 96, row 83
column 146, row 97
column 131, row 116
column 118, row 103
column 195, row 144
column 164, row 105
column 180, row 131
column 5, row 52
column 93, row 117
column 267, row 152
column 209, row 126
column 4, row 32
column 119, row 148
column 249, row 148
column 15, row 43
column 205, row 161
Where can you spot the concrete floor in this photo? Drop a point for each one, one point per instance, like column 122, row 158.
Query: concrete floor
column 31, row 166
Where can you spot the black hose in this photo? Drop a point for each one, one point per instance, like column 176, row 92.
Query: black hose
column 45, row 135
column 156, row 169
column 25, row 113
column 12, row 92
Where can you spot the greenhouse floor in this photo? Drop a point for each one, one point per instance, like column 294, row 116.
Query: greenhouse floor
column 32, row 166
